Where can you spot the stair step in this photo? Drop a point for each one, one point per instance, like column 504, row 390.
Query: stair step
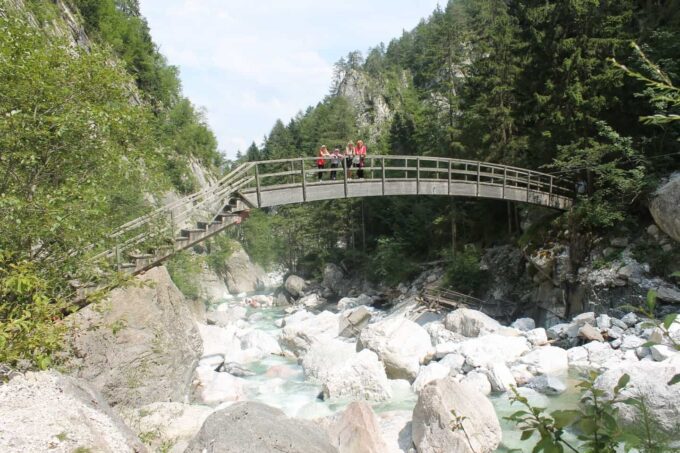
column 141, row 256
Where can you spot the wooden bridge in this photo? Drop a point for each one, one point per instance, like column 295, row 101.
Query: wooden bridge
column 149, row 240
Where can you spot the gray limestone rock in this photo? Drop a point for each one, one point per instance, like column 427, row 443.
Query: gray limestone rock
column 48, row 411
column 140, row 345
column 432, row 420
column 256, row 427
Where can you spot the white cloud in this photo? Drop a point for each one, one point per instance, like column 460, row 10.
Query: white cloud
column 251, row 63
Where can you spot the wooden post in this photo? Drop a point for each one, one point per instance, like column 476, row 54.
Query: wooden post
column 479, row 178
column 450, row 176
column 382, row 165
column 505, row 179
column 292, row 169
column 345, row 171
column 372, row 162
column 304, row 183
column 528, row 185
column 117, row 251
column 257, row 186
column 550, row 194
column 418, row 175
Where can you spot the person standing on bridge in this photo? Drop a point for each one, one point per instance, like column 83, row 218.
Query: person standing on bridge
column 336, row 158
column 321, row 161
column 360, row 158
column 349, row 155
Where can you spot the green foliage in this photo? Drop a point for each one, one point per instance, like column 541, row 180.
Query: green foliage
column 463, row 272
column 28, row 311
column 184, row 269
column 390, row 262
column 220, row 249
column 594, row 422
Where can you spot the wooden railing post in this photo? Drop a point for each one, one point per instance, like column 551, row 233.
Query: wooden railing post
column 257, row 186
column 304, row 182
column 550, row 193
column 406, row 167
column 345, row 171
column 450, row 176
column 479, row 177
column 117, row 251
column 382, row 165
column 505, row 179
column 528, row 185
column 418, row 175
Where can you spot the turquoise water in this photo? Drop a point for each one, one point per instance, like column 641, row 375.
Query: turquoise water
column 280, row 382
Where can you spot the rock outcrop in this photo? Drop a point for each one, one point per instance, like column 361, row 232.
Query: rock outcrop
column 241, row 275
column 256, row 427
column 434, row 425
column 48, row 411
column 140, row 345
column 665, row 207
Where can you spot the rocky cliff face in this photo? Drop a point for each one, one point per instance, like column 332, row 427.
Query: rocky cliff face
column 665, row 207
column 367, row 96
column 138, row 346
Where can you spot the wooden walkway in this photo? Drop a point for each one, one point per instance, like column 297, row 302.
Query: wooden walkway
column 149, row 240
column 452, row 300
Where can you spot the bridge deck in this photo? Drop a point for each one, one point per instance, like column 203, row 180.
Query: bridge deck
column 283, row 194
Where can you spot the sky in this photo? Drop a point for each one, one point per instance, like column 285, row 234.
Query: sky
column 249, row 63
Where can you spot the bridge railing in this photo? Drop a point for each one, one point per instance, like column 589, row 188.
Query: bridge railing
column 158, row 229
column 304, row 170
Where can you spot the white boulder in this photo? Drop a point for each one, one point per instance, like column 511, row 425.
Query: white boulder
column 470, row 323
column 429, row 373
column 401, row 344
column 434, row 429
column 344, row 373
column 649, row 381
column 546, row 360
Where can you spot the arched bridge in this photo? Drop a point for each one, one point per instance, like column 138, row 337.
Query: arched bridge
column 149, row 240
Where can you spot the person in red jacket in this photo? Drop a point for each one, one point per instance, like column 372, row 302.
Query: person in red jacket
column 360, row 152
column 321, row 161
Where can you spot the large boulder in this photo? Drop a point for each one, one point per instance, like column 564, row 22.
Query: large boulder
column 167, row 424
column 48, row 411
column 214, row 387
column 434, row 426
column 401, row 344
column 256, row 427
column 138, row 346
column 485, row 351
column 333, row 277
column 211, row 285
column 295, row 286
column 344, row 373
column 302, row 329
column 357, row 431
column 429, row 373
column 546, row 360
column 471, row 323
column 649, row 382
column 665, row 206
column 241, row 275
column 352, row 321
column 395, row 427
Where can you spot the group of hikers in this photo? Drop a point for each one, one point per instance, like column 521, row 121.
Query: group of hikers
column 354, row 156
